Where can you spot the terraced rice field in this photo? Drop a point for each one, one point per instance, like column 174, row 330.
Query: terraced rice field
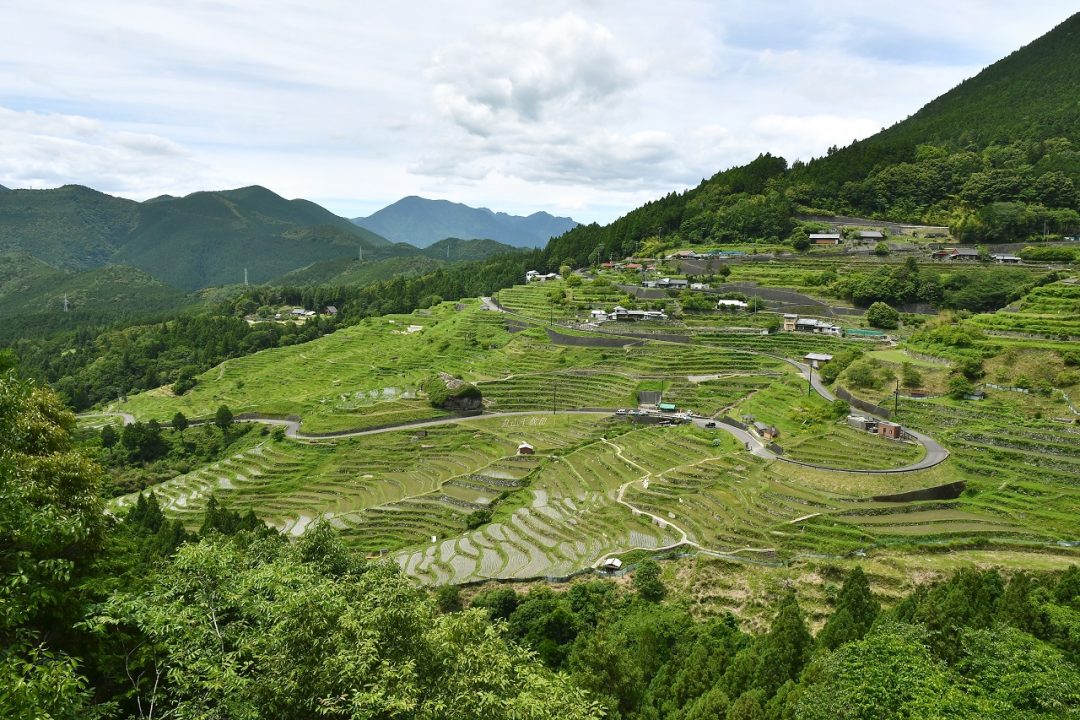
column 1025, row 470
column 792, row 345
column 1052, row 310
column 840, row 446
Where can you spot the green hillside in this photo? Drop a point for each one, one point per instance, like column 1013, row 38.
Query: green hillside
column 352, row 271
column 455, row 249
column 205, row 238
column 33, row 296
column 71, row 227
column 997, row 159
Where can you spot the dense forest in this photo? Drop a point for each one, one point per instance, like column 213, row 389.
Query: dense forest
column 137, row 616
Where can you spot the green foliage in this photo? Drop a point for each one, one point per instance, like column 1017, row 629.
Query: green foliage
column 890, row 674
column 143, row 441
column 448, row 599
column 500, row 602
column 856, row 610
column 882, row 316
column 223, row 418
column 786, row 647
column 179, row 422
column 51, row 525
column 647, row 581
column 452, row 393
column 253, row 631
column 910, row 377
column 478, row 518
column 840, row 362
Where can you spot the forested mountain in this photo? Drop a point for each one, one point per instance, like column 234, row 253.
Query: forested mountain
column 205, row 238
column 421, row 222
column 39, row 299
column 352, row 271
column 997, row 159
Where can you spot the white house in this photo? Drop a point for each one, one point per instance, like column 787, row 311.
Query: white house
column 820, row 327
column 534, row 276
column 699, row 286
column 731, row 305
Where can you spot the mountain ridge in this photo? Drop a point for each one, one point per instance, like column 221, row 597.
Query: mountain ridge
column 996, row 158
column 201, row 239
column 423, row 221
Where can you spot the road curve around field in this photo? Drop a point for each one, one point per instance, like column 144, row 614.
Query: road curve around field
column 935, row 453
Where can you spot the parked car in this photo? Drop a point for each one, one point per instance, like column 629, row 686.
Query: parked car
column 710, row 424
column 620, row 411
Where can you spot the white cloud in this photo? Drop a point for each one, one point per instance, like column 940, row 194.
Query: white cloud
column 48, row 149
column 594, row 107
column 528, row 73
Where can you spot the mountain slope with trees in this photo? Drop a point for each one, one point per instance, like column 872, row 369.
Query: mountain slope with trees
column 206, row 238
column 997, row 159
column 422, row 222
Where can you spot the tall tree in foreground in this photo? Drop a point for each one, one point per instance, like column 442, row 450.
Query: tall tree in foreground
column 253, row 627
column 51, row 525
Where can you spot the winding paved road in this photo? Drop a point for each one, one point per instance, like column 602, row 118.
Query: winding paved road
column 935, row 453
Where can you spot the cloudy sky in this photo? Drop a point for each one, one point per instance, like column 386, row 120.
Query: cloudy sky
column 584, row 108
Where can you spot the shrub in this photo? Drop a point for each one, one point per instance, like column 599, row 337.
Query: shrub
column 881, row 315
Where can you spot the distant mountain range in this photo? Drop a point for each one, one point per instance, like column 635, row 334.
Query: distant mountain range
column 422, row 222
column 114, row 259
column 202, row 239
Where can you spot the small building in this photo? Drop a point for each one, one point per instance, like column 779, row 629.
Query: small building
column 1009, row 259
column 634, row 266
column 621, row 313
column 525, row 449
column 611, row 564
column 768, row 432
column 667, row 407
column 598, row 314
column 330, row 310
column 731, row 305
column 789, row 322
column 865, row 424
column 968, row 254
column 871, row 236
column 890, row 430
column 673, row 283
column 699, row 286
column 816, row 359
column 818, row 327
column 534, row 276
column 824, row 238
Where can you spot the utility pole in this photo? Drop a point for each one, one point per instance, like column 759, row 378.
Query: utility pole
column 245, row 277
column 361, row 253
column 65, row 302
column 447, row 249
column 896, row 398
column 810, row 378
